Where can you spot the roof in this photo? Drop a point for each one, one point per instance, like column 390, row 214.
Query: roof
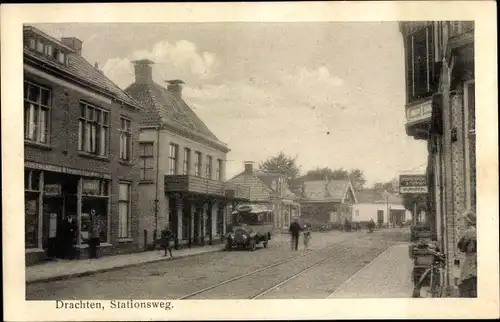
column 268, row 177
column 161, row 105
column 372, row 196
column 78, row 67
column 259, row 191
column 326, row 191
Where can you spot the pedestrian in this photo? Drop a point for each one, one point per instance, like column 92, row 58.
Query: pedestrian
column 94, row 233
column 307, row 236
column 295, row 231
column 467, row 244
column 167, row 238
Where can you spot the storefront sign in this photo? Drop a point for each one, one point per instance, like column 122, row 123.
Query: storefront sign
column 90, row 187
column 54, row 168
column 52, row 190
column 413, row 184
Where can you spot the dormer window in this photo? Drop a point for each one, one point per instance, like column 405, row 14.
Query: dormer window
column 32, row 43
column 48, row 50
column 61, row 57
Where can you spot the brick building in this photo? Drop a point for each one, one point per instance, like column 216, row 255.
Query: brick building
column 79, row 130
column 182, row 166
column 272, row 190
column 441, row 110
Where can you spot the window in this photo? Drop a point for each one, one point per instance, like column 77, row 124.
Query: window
column 31, row 193
column 48, row 50
column 209, row 167
column 37, row 101
column 125, row 139
column 186, row 163
column 422, row 76
column 174, row 153
column 147, row 161
column 32, row 43
column 124, row 227
column 61, row 57
column 39, row 46
column 93, row 130
column 197, row 164
column 218, row 170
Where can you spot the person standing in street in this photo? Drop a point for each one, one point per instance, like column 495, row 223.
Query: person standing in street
column 94, row 234
column 307, row 236
column 468, row 245
column 167, row 238
column 295, row 231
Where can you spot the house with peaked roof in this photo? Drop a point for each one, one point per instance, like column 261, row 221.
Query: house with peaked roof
column 325, row 201
column 272, row 190
column 382, row 207
column 182, row 166
column 79, row 132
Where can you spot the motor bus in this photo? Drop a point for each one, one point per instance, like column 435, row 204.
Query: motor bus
column 251, row 225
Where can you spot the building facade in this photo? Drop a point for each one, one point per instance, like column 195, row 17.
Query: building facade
column 441, row 110
column 79, row 134
column 325, row 202
column 182, row 167
column 270, row 189
column 383, row 208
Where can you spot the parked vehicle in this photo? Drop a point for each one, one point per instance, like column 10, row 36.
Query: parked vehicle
column 252, row 224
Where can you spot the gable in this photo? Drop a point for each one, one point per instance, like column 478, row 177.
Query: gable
column 258, row 190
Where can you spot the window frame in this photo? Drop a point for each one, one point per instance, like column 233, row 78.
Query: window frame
column 126, row 134
column 198, row 165
column 173, row 157
column 186, row 161
column 99, row 125
column 34, row 132
column 218, row 170
column 129, row 210
column 209, row 167
column 143, row 157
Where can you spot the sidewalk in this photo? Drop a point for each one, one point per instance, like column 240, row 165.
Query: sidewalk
column 63, row 269
column 387, row 276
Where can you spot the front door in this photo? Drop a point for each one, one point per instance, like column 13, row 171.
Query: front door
column 53, row 214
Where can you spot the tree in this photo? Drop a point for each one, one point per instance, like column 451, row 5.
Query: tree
column 383, row 186
column 281, row 164
column 357, row 178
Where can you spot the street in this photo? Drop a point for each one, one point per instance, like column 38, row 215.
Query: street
column 271, row 273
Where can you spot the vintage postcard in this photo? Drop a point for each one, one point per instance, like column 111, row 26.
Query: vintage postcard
column 288, row 160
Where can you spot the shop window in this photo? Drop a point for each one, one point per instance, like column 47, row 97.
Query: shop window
column 36, row 111
column 172, row 158
column 31, row 203
column 124, row 225
column 147, row 161
column 209, row 167
column 95, row 196
column 186, row 163
column 125, row 139
column 198, row 164
column 93, row 130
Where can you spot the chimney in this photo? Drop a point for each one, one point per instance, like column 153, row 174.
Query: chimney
column 175, row 87
column 143, row 71
column 74, row 43
column 248, row 167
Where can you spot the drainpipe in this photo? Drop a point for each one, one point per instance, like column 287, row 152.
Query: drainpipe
column 155, row 234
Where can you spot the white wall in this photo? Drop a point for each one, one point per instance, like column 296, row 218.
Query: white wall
column 365, row 211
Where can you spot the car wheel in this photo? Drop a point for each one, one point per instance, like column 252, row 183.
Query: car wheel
column 266, row 240
column 251, row 246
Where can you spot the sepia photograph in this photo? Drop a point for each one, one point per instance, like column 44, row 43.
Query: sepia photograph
column 248, row 160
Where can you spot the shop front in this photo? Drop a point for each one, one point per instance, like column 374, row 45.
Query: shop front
column 58, row 202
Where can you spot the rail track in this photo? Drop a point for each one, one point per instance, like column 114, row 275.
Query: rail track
column 270, row 267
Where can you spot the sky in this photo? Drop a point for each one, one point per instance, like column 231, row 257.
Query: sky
column 330, row 93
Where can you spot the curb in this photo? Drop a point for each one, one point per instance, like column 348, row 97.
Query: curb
column 108, row 269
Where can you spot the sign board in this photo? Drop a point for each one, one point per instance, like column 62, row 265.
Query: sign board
column 55, row 168
column 413, row 183
column 91, row 187
column 52, row 189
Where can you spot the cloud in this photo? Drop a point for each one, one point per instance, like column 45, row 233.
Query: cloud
column 181, row 59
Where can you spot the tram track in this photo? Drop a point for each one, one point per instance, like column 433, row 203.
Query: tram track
column 269, row 268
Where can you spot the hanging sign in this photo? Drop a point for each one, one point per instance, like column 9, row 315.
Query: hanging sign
column 90, row 187
column 413, row 184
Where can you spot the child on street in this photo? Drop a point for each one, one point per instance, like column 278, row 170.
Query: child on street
column 307, row 237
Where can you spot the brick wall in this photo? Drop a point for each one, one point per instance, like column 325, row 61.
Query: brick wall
column 62, row 149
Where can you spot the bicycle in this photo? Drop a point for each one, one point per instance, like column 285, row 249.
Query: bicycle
column 433, row 275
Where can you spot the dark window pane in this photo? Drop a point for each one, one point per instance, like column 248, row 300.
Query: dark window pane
column 45, row 97
column 33, row 93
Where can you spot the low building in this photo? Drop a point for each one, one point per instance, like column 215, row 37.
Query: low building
column 440, row 109
column 182, row 167
column 270, row 189
column 325, row 201
column 383, row 208
column 79, row 133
